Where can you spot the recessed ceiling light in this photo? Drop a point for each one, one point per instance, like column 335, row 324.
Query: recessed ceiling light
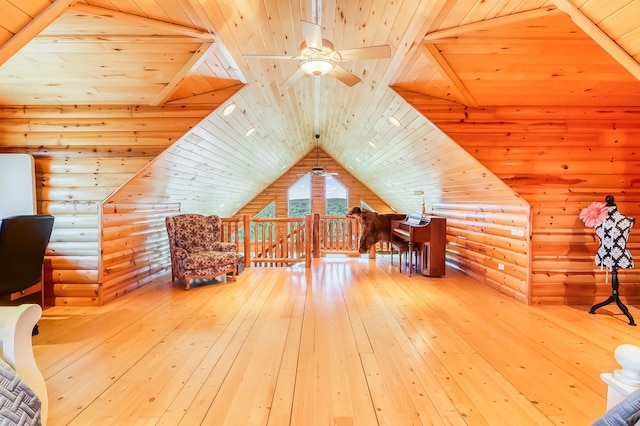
column 229, row 109
column 250, row 131
column 372, row 144
column 394, row 121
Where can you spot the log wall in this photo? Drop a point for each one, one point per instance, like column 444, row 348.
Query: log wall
column 277, row 191
column 135, row 248
column 73, row 255
column 491, row 244
column 71, row 186
column 559, row 159
column 82, row 155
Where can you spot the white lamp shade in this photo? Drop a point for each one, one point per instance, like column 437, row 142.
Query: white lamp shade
column 317, row 66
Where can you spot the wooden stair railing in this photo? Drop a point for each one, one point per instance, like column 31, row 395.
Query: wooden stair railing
column 285, row 241
column 339, row 235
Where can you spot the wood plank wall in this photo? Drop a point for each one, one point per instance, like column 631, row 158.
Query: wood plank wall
column 490, row 243
column 135, row 248
column 559, row 159
column 82, row 155
column 277, row 192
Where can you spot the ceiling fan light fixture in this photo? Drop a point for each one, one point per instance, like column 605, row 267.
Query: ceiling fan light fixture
column 317, row 66
column 324, row 50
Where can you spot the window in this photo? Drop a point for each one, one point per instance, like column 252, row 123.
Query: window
column 335, row 194
column 299, row 196
column 366, row 206
column 268, row 211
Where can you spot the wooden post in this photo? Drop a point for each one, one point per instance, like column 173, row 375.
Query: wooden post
column 247, row 240
column 308, row 241
column 316, row 235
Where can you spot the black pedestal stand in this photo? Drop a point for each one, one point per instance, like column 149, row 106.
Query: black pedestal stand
column 614, row 298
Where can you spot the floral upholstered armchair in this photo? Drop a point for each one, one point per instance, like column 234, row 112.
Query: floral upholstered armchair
column 196, row 249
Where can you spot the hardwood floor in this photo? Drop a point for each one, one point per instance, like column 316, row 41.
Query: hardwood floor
column 348, row 342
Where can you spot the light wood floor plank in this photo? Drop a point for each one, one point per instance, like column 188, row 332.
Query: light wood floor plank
column 548, row 349
column 349, row 342
column 282, row 403
column 392, row 350
column 246, row 394
column 421, row 326
column 206, row 383
column 471, row 367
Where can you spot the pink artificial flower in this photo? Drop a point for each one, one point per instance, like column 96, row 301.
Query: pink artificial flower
column 594, row 214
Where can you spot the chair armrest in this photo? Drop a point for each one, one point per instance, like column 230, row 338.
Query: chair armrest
column 17, row 324
column 180, row 253
column 226, row 247
column 626, row 412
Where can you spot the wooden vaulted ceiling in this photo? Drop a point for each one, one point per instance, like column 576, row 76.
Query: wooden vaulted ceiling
column 189, row 53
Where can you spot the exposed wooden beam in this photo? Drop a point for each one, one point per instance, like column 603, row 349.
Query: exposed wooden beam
column 109, row 13
column 489, row 23
column 33, row 28
column 191, row 65
column 214, row 98
column 438, row 61
column 118, row 38
column 197, row 13
column 599, row 36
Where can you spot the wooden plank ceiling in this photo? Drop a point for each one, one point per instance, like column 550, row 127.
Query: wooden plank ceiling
column 190, row 53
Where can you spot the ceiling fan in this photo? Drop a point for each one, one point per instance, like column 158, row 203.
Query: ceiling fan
column 318, row 170
column 318, row 57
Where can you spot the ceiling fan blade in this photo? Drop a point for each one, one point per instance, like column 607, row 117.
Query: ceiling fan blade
column 312, row 35
column 293, row 78
column 344, row 76
column 369, row 52
column 272, row 57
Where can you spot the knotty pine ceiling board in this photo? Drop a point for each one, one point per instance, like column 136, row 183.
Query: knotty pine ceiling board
column 95, row 59
column 614, row 19
column 536, row 62
column 458, row 13
column 16, row 15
